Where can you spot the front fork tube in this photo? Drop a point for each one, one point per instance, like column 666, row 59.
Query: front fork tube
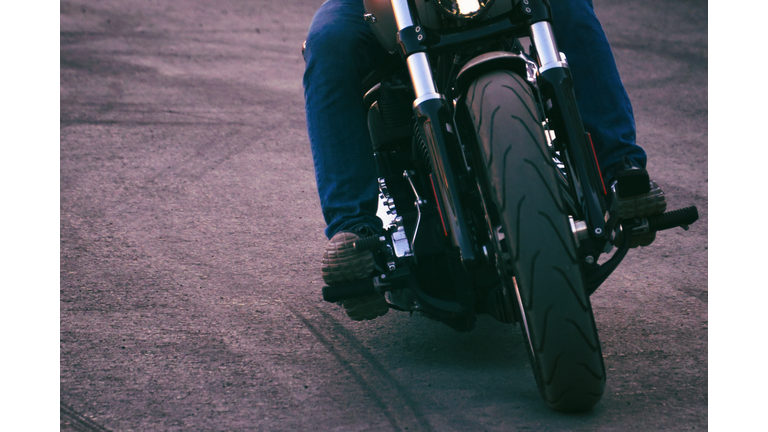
column 556, row 87
column 433, row 115
column 435, row 119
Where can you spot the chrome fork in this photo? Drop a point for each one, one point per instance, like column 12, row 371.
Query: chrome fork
column 418, row 63
column 546, row 47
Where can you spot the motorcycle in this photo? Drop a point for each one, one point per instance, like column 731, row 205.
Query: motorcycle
column 497, row 202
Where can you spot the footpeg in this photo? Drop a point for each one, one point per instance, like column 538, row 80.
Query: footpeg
column 675, row 218
column 390, row 281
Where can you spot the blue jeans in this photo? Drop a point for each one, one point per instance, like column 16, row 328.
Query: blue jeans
column 342, row 50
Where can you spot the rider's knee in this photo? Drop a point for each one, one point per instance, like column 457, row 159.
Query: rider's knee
column 327, row 43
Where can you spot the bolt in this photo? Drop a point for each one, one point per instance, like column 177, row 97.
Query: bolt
column 590, row 259
column 598, row 231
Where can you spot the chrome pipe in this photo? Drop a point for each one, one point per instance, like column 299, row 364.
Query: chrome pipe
column 402, row 14
column 421, row 77
column 546, row 47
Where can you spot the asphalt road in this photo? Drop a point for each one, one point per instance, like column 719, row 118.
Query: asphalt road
column 191, row 236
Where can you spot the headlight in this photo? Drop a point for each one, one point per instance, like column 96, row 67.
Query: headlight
column 463, row 9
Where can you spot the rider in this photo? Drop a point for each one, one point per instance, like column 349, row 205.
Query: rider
column 341, row 49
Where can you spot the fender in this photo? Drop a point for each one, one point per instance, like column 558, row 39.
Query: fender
column 520, row 64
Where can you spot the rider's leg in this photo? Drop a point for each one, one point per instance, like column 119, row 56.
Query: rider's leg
column 603, row 102
column 340, row 51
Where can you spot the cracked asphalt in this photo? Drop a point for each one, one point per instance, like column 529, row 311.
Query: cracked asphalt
column 191, row 233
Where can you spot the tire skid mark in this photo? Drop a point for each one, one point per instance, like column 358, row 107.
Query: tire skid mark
column 394, row 401
column 205, row 157
column 78, row 421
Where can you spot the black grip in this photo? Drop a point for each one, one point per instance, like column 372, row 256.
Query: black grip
column 348, row 291
column 674, row 218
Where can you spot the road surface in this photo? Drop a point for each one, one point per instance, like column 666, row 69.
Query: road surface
column 191, row 235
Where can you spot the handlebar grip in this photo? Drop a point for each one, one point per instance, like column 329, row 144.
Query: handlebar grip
column 348, row 291
column 674, row 218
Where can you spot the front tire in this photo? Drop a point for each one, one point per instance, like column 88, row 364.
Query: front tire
column 558, row 323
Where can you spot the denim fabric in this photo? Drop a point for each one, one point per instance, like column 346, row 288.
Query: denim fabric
column 341, row 49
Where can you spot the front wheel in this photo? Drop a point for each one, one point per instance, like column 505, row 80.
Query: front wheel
column 540, row 260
